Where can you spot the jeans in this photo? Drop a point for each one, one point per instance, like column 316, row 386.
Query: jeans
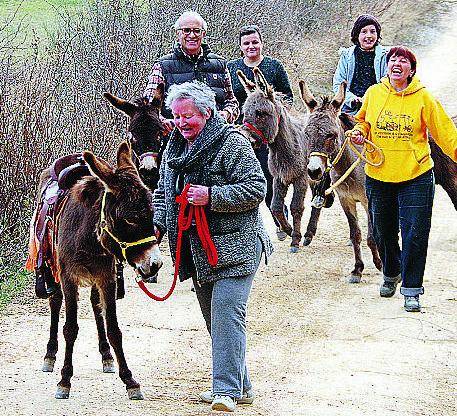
column 406, row 206
column 223, row 305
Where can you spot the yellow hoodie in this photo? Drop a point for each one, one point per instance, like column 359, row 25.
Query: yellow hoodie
column 397, row 122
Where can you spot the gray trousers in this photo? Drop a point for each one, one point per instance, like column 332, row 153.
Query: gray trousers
column 223, row 305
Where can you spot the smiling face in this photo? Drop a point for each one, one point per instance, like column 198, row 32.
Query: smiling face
column 188, row 119
column 251, row 46
column 368, row 37
column 190, row 35
column 399, row 71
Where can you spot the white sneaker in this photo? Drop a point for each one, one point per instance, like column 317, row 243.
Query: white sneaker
column 223, row 404
column 246, row 398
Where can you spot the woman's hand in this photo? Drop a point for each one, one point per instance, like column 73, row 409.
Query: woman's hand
column 356, row 137
column 168, row 124
column 198, row 195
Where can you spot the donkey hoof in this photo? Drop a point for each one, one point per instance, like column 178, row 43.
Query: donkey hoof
column 307, row 241
column 108, row 366
column 135, row 394
column 293, row 249
column 62, row 392
column 354, row 278
column 48, row 365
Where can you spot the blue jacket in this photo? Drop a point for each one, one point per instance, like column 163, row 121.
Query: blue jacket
column 345, row 71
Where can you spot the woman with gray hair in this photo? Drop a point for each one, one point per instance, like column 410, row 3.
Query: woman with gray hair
column 210, row 169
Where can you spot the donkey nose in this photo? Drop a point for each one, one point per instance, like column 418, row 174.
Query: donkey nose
column 314, row 173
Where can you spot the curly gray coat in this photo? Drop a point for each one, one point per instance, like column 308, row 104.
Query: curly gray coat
column 222, row 159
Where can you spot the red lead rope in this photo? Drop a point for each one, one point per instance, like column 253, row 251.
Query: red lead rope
column 184, row 223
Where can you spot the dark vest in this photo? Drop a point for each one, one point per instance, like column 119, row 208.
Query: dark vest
column 208, row 68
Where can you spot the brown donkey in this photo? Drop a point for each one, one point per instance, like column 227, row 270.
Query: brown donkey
column 325, row 131
column 144, row 133
column 107, row 216
column 266, row 118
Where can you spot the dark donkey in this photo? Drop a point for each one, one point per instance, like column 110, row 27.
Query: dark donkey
column 325, row 132
column 445, row 169
column 107, row 216
column 144, row 133
column 266, row 117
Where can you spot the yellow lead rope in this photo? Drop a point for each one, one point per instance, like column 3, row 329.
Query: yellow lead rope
column 360, row 156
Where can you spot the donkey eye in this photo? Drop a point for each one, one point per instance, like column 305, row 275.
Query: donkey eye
column 260, row 113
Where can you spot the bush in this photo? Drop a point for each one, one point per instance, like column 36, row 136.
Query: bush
column 51, row 96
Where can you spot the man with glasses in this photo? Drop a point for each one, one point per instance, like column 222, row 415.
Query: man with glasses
column 192, row 60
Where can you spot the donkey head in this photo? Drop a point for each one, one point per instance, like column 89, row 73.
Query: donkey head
column 127, row 212
column 324, row 131
column 144, row 132
column 262, row 111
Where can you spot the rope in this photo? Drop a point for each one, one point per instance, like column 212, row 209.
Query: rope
column 187, row 213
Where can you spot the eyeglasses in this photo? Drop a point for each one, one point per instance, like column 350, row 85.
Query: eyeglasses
column 188, row 30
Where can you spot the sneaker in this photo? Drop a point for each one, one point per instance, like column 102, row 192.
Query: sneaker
column 387, row 289
column 412, row 304
column 247, row 398
column 223, row 404
column 280, row 234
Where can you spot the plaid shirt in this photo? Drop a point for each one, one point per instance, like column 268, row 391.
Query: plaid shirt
column 230, row 103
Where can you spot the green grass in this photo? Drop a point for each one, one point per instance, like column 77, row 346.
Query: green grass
column 37, row 16
column 12, row 286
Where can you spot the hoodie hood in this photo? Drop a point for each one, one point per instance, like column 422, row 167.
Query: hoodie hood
column 414, row 86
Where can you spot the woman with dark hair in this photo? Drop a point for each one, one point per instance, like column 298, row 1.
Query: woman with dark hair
column 251, row 45
column 395, row 116
column 361, row 65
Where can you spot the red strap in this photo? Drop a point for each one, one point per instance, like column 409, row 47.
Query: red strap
column 184, row 223
column 256, row 131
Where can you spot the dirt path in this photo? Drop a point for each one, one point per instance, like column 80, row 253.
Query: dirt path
column 317, row 345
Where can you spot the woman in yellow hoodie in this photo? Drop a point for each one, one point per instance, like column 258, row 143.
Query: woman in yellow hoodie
column 395, row 116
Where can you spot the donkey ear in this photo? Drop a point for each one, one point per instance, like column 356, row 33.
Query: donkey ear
column 248, row 85
column 124, row 156
column 338, row 99
column 100, row 168
column 262, row 83
column 159, row 94
column 307, row 96
column 125, row 106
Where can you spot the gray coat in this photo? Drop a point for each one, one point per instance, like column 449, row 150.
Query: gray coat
column 222, row 159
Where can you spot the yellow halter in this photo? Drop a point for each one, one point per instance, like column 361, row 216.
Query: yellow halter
column 360, row 156
column 122, row 244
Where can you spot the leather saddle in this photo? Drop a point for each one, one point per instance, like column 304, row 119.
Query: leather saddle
column 64, row 173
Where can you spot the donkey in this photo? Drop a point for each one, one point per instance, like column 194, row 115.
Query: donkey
column 325, row 132
column 445, row 169
column 144, row 133
column 266, row 118
column 107, row 216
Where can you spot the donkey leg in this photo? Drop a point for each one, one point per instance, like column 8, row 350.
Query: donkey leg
column 103, row 345
column 55, row 304
column 371, row 243
column 277, row 205
column 297, row 206
column 70, row 332
column 311, row 229
column 349, row 208
column 115, row 339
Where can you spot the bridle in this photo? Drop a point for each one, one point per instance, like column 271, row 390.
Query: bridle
column 259, row 133
column 122, row 244
column 361, row 156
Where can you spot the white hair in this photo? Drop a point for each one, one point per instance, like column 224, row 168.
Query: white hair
column 203, row 96
column 193, row 15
